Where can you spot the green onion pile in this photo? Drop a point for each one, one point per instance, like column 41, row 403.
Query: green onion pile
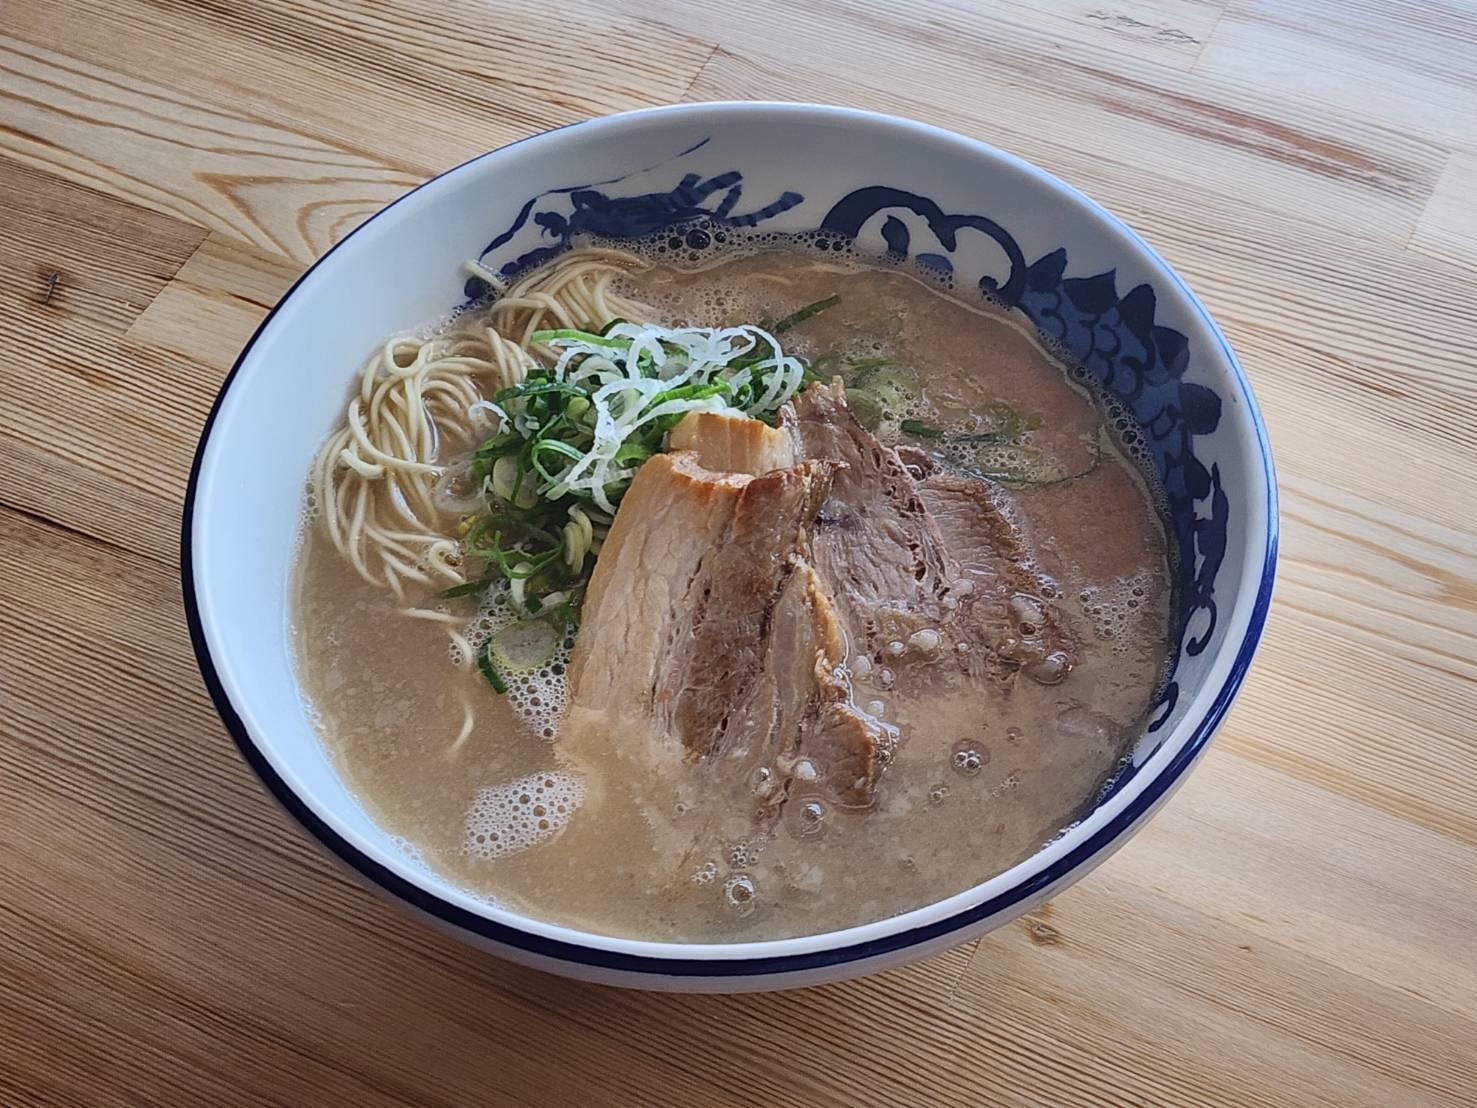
column 572, row 436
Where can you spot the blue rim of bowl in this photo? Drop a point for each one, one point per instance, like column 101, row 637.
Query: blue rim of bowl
column 622, row 962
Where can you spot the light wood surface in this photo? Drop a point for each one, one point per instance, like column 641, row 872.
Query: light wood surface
column 1298, row 927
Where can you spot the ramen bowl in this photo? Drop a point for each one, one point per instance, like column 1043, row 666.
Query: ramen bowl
column 989, row 220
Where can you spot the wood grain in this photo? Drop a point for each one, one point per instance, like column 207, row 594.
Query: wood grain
column 76, row 270
column 363, row 102
column 1296, row 928
column 214, row 303
column 1406, row 62
column 1448, row 225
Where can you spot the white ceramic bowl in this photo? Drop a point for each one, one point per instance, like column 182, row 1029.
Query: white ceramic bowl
column 1077, row 272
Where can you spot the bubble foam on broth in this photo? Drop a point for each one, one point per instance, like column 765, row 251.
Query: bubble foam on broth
column 538, row 695
column 506, row 819
column 1109, row 607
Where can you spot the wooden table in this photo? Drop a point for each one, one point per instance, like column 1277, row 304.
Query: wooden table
column 1298, row 927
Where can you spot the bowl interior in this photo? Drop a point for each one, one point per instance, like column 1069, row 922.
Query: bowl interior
column 997, row 224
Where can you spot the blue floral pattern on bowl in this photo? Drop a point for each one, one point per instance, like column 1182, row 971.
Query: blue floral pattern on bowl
column 560, row 215
column 1111, row 337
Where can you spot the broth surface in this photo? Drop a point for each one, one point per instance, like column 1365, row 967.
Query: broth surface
column 986, row 770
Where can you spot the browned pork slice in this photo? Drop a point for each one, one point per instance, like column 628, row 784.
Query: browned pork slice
column 797, row 734
column 815, row 721
column 705, row 635
column 904, row 549
column 719, row 642
column 973, row 523
column 1012, row 604
column 850, row 749
column 672, row 518
column 733, row 443
column 877, row 549
column 692, row 564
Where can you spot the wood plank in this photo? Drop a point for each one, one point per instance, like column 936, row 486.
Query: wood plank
column 69, row 252
column 1369, row 756
column 1140, row 137
column 1342, row 895
column 1447, row 229
column 94, row 434
column 417, row 86
column 1204, row 1014
column 1407, row 63
column 1294, row 967
column 1436, row 37
column 219, row 168
column 1171, row 32
column 214, row 303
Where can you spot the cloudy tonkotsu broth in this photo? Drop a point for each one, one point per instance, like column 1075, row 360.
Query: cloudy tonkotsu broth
column 947, row 738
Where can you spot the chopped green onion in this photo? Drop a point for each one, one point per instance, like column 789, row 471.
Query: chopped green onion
column 577, row 432
column 524, row 647
column 865, row 407
column 980, row 437
column 489, row 671
column 923, row 430
column 635, row 452
column 470, row 588
column 864, row 369
column 533, row 387
column 691, row 392
column 920, row 429
column 573, row 335
column 803, row 314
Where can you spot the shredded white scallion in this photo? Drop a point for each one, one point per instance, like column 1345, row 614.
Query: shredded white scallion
column 628, row 369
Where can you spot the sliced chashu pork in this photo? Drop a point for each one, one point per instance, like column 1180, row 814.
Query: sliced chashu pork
column 813, row 720
column 719, row 641
column 902, row 552
column 876, row 547
column 706, row 641
column 1011, row 604
column 716, row 623
column 733, row 443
